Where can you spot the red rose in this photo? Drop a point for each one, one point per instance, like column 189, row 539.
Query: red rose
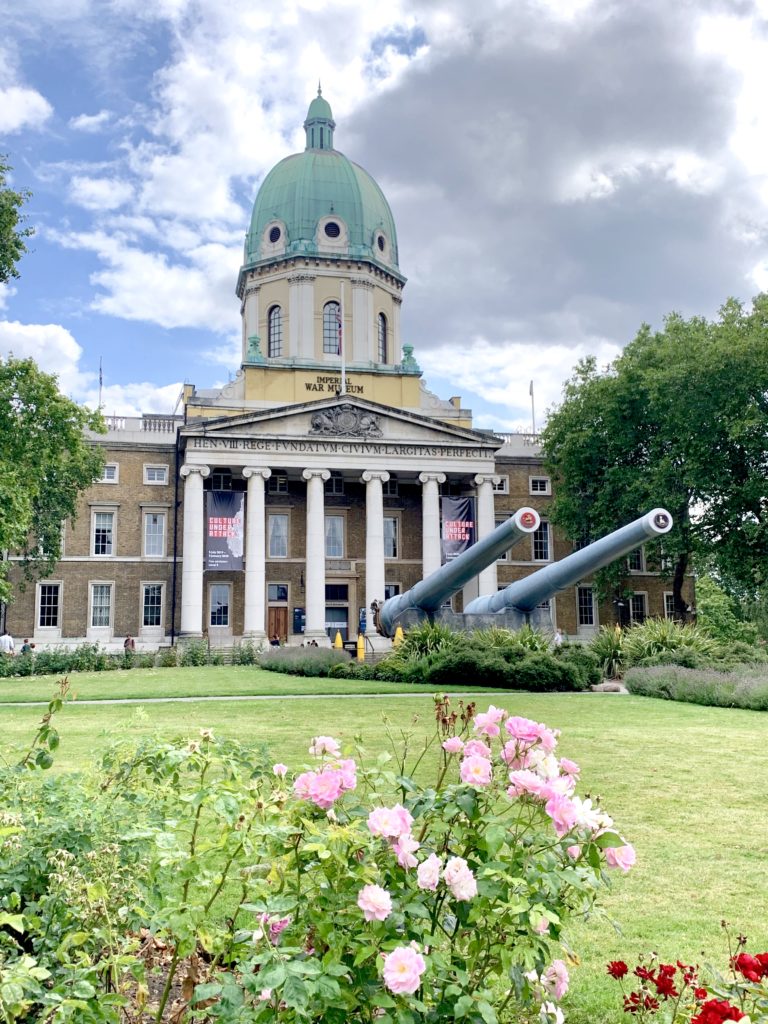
column 665, row 986
column 747, row 965
column 617, row 968
column 644, row 973
column 715, row 1011
column 762, row 959
column 700, row 994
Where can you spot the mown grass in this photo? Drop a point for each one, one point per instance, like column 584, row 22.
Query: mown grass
column 685, row 784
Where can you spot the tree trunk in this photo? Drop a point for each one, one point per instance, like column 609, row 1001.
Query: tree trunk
column 679, row 603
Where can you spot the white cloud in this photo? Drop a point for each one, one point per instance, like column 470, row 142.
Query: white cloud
column 21, row 107
column 53, row 348
column 134, row 399
column 6, row 292
column 100, row 193
column 90, row 122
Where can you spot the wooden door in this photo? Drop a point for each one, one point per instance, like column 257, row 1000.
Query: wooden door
column 277, row 622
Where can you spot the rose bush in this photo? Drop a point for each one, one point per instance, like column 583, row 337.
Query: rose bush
column 422, row 885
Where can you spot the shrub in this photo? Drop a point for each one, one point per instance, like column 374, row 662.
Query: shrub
column 245, row 653
column 168, row 657
column 193, row 653
column 541, row 671
column 427, row 638
column 466, row 666
column 583, row 661
column 656, row 636
column 608, row 648
column 743, row 688
column 303, row 661
column 719, row 616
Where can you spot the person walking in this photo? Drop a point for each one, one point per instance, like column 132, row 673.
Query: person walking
column 6, row 644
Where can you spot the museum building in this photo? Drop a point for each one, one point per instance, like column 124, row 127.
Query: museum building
column 314, row 483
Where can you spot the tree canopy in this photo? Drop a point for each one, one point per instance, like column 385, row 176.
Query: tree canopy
column 12, row 235
column 679, row 420
column 46, row 460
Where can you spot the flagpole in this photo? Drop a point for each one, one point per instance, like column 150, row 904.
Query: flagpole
column 533, row 412
column 341, row 341
column 101, row 384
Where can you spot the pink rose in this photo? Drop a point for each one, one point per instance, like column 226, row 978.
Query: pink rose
column 453, row 745
column 405, row 846
column 459, row 879
column 301, row 785
column 375, row 903
column 523, row 729
column 403, row 968
column 486, row 725
column 516, row 755
column 279, row 770
column 555, row 979
column 325, row 788
column 476, row 771
column 390, row 821
column 428, row 872
column 324, row 745
column 623, row 857
column 542, row 928
column 347, row 770
column 574, row 852
column 476, row 748
column 569, row 767
column 562, row 812
column 526, row 781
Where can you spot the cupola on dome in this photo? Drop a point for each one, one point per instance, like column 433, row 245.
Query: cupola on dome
column 320, row 203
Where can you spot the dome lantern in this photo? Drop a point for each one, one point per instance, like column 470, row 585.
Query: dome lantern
column 319, row 124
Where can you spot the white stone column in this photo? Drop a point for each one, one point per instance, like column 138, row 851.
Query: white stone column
column 374, row 546
column 254, row 613
column 430, row 521
column 486, row 523
column 193, row 551
column 314, row 572
column 395, row 343
column 301, row 317
column 363, row 327
column 250, row 311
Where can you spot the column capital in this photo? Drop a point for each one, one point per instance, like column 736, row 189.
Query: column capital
column 371, row 474
column 262, row 471
column 487, row 478
column 186, row 470
column 252, row 289
column 438, row 478
column 324, row 474
column 301, row 279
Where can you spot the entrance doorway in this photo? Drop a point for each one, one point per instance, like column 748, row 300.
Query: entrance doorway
column 337, row 621
column 277, row 622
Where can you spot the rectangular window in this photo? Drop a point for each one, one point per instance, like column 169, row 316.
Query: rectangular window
column 638, row 608
column 155, row 474
column 504, row 557
column 669, row 605
column 391, row 488
column 391, row 537
column 541, row 544
column 334, row 484
column 334, row 536
column 586, row 606
column 152, row 605
column 391, row 590
column 635, row 560
column 277, row 592
column 103, row 533
column 539, row 485
column 101, row 604
column 336, row 592
column 277, row 534
column 110, row 474
column 502, row 487
column 220, row 604
column 277, row 484
column 154, row 534
column 49, row 605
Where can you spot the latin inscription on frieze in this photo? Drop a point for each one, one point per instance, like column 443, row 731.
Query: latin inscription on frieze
column 301, row 447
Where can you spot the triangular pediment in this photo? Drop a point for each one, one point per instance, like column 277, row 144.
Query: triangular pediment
column 343, row 418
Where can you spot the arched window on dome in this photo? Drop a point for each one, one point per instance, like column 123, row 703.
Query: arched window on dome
column 275, row 332
column 382, row 338
column 332, row 328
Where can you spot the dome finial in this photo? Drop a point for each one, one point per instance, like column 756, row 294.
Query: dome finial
column 319, row 124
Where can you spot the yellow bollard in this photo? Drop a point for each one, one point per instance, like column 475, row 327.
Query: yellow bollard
column 338, row 642
column 360, row 647
column 398, row 636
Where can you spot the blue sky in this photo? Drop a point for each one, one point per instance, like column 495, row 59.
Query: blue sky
column 559, row 172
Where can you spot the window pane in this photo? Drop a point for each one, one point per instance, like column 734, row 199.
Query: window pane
column 382, row 338
column 586, row 606
column 102, row 533
column 49, row 604
column 391, row 590
column 637, row 607
column 390, row 537
column 541, row 543
column 635, row 560
column 504, row 557
column 334, row 536
column 669, row 606
column 219, row 605
column 109, row 474
column 275, row 332
column 154, row 533
column 332, row 328
column 101, row 600
column 156, row 474
column 278, row 536
column 336, row 592
column 153, row 604
column 277, row 592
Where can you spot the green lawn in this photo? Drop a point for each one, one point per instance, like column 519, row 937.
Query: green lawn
column 686, row 785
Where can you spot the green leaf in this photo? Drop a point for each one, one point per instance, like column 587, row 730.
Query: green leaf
column 83, row 989
column 15, row 921
column 272, row 976
column 294, row 993
column 463, row 1006
column 208, row 991
column 608, row 840
column 43, row 759
column 487, row 1012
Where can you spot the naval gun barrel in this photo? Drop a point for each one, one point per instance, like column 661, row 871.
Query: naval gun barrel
column 525, row 595
column 429, row 594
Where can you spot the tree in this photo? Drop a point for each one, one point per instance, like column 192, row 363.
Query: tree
column 679, row 420
column 46, row 461
column 12, row 246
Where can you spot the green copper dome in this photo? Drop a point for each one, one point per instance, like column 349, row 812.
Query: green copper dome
column 320, row 203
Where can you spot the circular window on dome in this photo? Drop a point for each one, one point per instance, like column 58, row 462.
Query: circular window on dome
column 332, row 229
column 381, row 242
column 274, row 234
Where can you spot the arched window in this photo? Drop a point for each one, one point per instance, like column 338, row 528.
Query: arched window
column 382, row 338
column 275, row 332
column 332, row 328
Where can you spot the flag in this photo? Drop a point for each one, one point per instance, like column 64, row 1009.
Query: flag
column 338, row 324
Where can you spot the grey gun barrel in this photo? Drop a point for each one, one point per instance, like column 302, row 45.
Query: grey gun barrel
column 430, row 593
column 525, row 595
